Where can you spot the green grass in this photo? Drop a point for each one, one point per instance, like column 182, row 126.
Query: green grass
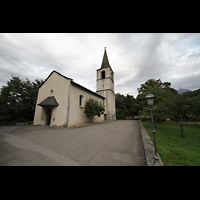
column 183, row 152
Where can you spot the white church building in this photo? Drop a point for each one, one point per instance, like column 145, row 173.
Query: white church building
column 61, row 101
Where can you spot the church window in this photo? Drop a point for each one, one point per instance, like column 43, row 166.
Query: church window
column 103, row 74
column 80, row 100
column 51, row 92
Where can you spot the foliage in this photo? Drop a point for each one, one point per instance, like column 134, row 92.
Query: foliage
column 125, row 105
column 149, row 85
column 195, row 108
column 18, row 99
column 169, row 104
column 121, row 117
column 161, row 91
column 171, row 148
column 93, row 108
column 180, row 110
column 192, row 93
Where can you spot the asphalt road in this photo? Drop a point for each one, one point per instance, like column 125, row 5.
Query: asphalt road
column 117, row 143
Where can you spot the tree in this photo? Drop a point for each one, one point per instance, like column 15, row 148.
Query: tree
column 161, row 91
column 180, row 110
column 18, row 99
column 195, row 107
column 149, row 85
column 125, row 105
column 93, row 108
column 120, row 104
column 129, row 104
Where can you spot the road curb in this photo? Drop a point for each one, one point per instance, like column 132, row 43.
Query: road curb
column 148, row 146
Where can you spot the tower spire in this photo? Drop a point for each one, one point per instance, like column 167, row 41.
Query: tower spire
column 105, row 62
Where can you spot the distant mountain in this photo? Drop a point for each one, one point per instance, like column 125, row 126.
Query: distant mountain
column 181, row 90
column 192, row 93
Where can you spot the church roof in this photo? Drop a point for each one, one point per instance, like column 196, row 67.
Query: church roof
column 49, row 101
column 72, row 82
column 57, row 73
column 80, row 86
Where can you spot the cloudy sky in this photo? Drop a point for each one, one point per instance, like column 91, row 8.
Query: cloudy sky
column 134, row 58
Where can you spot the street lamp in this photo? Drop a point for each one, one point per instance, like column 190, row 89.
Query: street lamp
column 150, row 101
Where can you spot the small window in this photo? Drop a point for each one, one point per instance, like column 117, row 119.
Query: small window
column 103, row 74
column 51, row 92
column 80, row 100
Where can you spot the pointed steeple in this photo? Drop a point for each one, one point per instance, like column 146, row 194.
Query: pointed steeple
column 105, row 62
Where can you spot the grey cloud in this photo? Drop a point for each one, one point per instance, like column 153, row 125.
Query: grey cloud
column 195, row 54
column 190, row 82
column 134, row 57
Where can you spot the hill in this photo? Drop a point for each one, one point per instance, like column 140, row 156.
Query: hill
column 192, row 93
column 182, row 90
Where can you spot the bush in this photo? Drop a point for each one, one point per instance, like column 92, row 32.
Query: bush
column 121, row 117
column 92, row 108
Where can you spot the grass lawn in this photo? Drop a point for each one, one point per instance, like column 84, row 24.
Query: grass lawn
column 174, row 150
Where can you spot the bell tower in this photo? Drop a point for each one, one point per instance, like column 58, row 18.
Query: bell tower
column 105, row 87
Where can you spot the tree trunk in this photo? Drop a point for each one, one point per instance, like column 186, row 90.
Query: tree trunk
column 182, row 132
column 91, row 119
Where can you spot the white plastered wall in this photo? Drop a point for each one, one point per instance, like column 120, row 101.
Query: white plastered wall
column 76, row 112
column 107, row 82
column 60, row 87
column 105, row 88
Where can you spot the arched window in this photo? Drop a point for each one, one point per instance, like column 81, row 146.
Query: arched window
column 103, row 74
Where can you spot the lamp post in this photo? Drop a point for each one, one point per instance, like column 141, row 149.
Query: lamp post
column 150, row 101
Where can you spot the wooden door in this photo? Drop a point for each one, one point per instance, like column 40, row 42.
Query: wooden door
column 48, row 117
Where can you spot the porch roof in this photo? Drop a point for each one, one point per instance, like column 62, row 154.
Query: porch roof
column 49, row 101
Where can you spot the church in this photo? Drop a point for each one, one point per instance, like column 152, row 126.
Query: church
column 60, row 101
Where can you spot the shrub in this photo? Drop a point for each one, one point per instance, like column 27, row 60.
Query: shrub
column 121, row 117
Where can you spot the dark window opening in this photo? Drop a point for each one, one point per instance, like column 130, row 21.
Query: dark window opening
column 80, row 102
column 103, row 74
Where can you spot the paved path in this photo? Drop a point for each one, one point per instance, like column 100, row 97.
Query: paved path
column 117, row 143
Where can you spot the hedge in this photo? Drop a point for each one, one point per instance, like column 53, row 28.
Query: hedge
column 121, row 117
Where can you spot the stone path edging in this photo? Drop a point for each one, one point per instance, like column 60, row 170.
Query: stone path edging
column 148, row 147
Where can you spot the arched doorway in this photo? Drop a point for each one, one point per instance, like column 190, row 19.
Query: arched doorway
column 48, row 121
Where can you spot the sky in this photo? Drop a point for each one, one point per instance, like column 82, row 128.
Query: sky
column 134, row 58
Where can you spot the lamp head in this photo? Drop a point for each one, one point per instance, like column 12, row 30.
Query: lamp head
column 150, row 99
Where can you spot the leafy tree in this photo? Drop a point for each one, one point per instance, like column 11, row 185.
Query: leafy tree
column 129, row 104
column 169, row 104
column 161, row 91
column 18, row 99
column 125, row 105
column 192, row 93
column 93, row 108
column 180, row 110
column 149, row 85
column 120, row 104
column 195, row 107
